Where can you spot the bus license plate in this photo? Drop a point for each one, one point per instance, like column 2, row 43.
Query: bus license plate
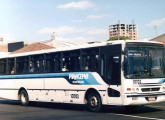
column 151, row 99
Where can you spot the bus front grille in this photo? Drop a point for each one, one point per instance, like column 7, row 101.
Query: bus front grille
column 150, row 89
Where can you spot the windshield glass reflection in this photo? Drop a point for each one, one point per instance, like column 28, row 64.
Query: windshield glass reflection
column 144, row 62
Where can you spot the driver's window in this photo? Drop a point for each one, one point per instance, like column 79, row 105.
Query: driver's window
column 113, row 71
column 109, row 69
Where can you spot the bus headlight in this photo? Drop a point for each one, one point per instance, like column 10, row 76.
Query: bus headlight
column 163, row 88
column 137, row 89
column 133, row 89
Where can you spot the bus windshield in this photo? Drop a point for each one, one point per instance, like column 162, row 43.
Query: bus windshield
column 144, row 62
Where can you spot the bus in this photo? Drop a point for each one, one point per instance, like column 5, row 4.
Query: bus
column 121, row 73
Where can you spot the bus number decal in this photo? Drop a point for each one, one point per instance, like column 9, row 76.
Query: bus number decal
column 136, row 81
column 76, row 96
column 78, row 76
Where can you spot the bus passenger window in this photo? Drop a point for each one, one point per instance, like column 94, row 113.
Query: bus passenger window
column 86, row 62
column 2, row 66
column 10, row 64
column 57, row 65
column 53, row 62
column 72, row 60
column 90, row 59
column 96, row 62
column 48, row 67
column 37, row 63
column 22, row 65
column 25, row 67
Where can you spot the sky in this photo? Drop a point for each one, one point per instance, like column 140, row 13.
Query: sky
column 78, row 20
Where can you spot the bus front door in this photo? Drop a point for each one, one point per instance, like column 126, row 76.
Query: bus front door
column 111, row 72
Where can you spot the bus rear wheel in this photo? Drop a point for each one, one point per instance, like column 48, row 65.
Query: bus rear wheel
column 94, row 102
column 24, row 98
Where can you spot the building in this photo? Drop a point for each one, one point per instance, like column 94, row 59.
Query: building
column 127, row 30
column 160, row 38
column 33, row 47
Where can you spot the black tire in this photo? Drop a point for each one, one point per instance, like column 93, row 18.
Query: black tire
column 24, row 98
column 94, row 102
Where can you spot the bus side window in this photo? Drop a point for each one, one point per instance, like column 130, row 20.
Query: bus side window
column 75, row 63
column 113, row 70
column 85, row 63
column 11, row 66
column 22, row 65
column 71, row 61
column 75, row 60
column 3, row 66
column 95, row 61
column 102, row 66
column 37, row 63
column 57, row 65
column 90, row 59
column 50, row 61
column 109, row 68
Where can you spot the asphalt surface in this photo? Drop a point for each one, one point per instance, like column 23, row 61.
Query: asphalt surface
column 11, row 110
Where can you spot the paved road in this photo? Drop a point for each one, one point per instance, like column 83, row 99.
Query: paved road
column 11, row 110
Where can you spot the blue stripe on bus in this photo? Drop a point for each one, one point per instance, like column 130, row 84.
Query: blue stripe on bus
column 161, row 80
column 75, row 78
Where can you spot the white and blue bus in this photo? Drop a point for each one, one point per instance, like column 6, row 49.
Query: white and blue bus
column 125, row 73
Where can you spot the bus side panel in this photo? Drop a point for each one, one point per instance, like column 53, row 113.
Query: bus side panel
column 60, row 90
column 8, row 90
column 33, row 86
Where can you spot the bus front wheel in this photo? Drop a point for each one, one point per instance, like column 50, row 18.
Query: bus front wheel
column 94, row 102
column 24, row 98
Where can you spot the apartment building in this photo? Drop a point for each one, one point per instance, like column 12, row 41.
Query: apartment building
column 127, row 30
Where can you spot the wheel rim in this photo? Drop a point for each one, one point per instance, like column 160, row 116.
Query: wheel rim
column 93, row 101
column 23, row 98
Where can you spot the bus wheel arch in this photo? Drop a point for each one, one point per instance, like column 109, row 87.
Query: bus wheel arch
column 23, row 96
column 93, row 100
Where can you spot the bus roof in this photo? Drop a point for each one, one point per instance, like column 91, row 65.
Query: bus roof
column 87, row 45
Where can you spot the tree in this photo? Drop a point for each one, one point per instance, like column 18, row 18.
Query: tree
column 120, row 38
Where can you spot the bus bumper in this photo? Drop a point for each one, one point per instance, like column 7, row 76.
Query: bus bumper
column 142, row 99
